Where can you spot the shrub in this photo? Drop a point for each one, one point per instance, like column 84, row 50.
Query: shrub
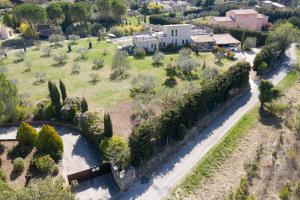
column 285, row 193
column 75, row 69
column 157, row 58
column 90, row 125
column 142, row 84
column 62, row 90
column 139, row 53
column 26, row 134
column 44, row 163
column 190, row 108
column 49, row 142
column 84, row 105
column 73, row 38
column 2, row 175
column 120, row 65
column 116, row 150
column 21, row 113
column 44, row 110
column 18, row 164
column 98, row 63
column 108, row 130
column 70, row 106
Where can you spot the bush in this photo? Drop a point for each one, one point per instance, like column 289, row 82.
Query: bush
column 70, row 107
column 142, row 84
column 190, row 108
column 44, row 110
column 18, row 164
column 139, row 53
column 91, row 126
column 26, row 134
column 21, row 113
column 108, row 129
column 44, row 163
column 2, row 175
column 163, row 19
column 49, row 142
column 98, row 63
column 116, row 150
column 285, row 193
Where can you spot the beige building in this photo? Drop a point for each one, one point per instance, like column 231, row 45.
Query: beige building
column 6, row 32
column 243, row 18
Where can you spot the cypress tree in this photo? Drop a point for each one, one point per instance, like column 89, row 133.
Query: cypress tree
column 108, row 132
column 56, row 99
column 62, row 90
column 84, row 105
column 50, row 88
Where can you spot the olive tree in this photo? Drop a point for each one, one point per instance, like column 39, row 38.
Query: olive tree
column 120, row 65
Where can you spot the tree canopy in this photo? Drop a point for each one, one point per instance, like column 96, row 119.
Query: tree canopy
column 8, row 98
column 267, row 92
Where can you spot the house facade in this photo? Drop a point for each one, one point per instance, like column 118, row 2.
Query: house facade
column 6, row 32
column 244, row 18
column 200, row 38
column 176, row 34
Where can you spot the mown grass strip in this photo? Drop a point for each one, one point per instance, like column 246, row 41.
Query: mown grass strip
column 225, row 148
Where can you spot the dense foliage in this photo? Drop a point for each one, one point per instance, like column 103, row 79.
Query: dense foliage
column 70, row 107
column 146, row 137
column 26, row 134
column 8, row 98
column 90, row 126
column 116, row 150
column 163, row 19
column 45, row 164
column 49, row 142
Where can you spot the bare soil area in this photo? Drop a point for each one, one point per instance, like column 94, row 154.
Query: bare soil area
column 14, row 179
column 121, row 119
column 278, row 166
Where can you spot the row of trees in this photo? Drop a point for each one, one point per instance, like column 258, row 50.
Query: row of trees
column 154, row 133
column 65, row 14
column 280, row 36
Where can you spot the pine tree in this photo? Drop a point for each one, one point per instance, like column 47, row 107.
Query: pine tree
column 243, row 40
column 108, row 132
column 84, row 105
column 62, row 90
column 56, row 99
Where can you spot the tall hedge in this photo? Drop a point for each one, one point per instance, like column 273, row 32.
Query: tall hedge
column 49, row 142
column 163, row 19
column 144, row 138
column 62, row 90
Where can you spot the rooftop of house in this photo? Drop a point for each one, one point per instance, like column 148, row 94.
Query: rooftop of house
column 202, row 38
column 278, row 5
column 222, row 39
column 244, row 12
column 177, row 25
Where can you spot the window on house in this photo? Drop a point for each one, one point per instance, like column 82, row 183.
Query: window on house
column 151, row 45
column 182, row 42
column 176, row 32
column 186, row 42
column 172, row 32
column 175, row 42
column 164, row 44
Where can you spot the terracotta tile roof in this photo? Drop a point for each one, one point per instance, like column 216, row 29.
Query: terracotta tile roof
column 222, row 39
column 202, row 38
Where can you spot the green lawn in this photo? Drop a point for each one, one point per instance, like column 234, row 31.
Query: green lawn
column 104, row 94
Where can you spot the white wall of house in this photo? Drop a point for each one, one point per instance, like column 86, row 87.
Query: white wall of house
column 6, row 33
column 149, row 44
column 177, row 34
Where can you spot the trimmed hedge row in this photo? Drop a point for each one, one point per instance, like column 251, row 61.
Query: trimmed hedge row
column 163, row 19
column 144, row 138
column 275, row 15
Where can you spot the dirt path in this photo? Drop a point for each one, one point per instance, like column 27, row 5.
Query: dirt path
column 121, row 118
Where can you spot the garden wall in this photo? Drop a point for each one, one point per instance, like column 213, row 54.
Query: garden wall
column 169, row 150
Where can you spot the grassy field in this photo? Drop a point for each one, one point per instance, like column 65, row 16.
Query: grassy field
column 201, row 20
column 105, row 93
column 225, row 148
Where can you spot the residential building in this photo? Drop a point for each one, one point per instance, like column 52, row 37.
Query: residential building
column 207, row 42
column 6, row 32
column 244, row 18
column 176, row 34
column 200, row 38
column 272, row 5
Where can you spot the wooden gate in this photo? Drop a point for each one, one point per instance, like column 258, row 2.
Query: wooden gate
column 90, row 173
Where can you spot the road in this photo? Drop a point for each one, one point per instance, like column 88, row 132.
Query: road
column 181, row 163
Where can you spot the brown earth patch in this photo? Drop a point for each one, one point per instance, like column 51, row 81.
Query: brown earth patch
column 121, row 118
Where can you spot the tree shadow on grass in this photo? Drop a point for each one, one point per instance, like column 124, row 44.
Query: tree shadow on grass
column 19, row 151
column 157, row 64
column 59, row 64
column 170, row 82
column 269, row 119
column 39, row 82
column 14, row 175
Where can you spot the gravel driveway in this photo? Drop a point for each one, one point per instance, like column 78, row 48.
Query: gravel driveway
column 78, row 153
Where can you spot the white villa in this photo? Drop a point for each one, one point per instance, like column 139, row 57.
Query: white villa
column 6, row 32
column 180, row 35
column 177, row 34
